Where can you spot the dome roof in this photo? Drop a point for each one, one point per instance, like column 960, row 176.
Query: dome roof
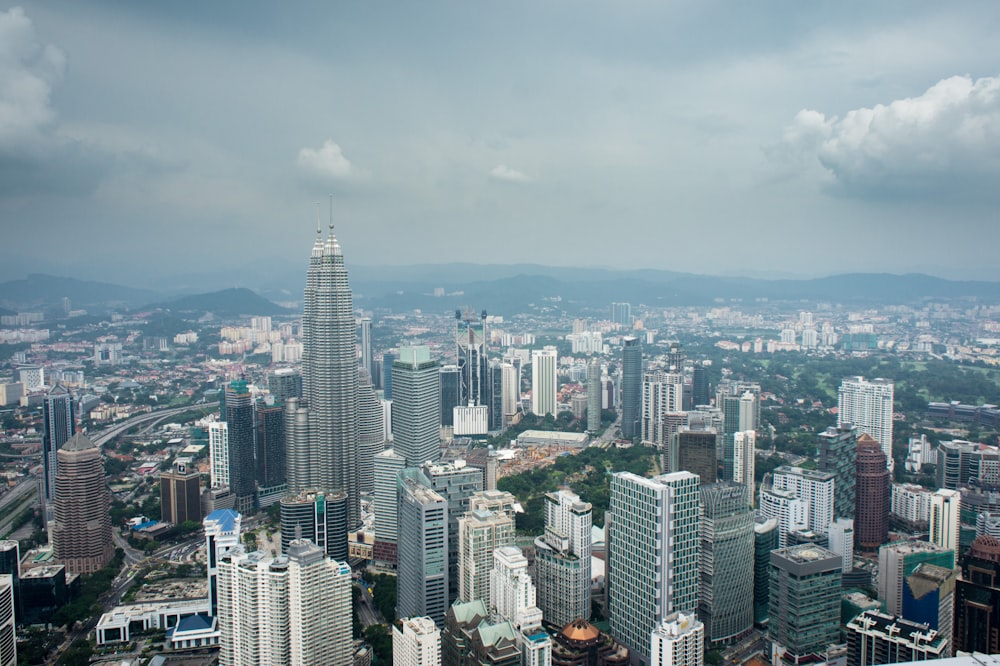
column 581, row 630
column 986, row 547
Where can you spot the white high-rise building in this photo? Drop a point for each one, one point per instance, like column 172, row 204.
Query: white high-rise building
column 223, row 529
column 562, row 559
column 218, row 451
column 911, row 502
column 8, row 635
column 291, row 609
column 662, row 393
column 791, row 512
column 544, row 365
column 480, row 532
column 868, row 406
column 653, row 543
column 416, row 641
column 510, row 385
column 814, row 487
column 745, row 461
column 679, row 640
column 945, row 520
column 841, row 539
column 388, row 465
column 512, row 599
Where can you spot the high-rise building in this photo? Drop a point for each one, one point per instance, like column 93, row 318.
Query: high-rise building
column 471, row 638
column 480, row 532
column 804, row 604
column 510, row 380
column 57, row 412
column 977, row 598
column 631, row 387
column 841, row 541
column 898, row 560
column 945, row 520
column 496, row 396
column 662, row 393
column 416, row 641
column 740, row 413
column 290, row 609
column 765, row 537
column 874, row 637
column 388, row 358
column 323, row 443
column 679, row 640
column 10, row 564
column 271, row 470
column 745, row 462
column 700, row 394
column 838, row 451
column 871, row 512
column 423, row 550
column 365, row 325
column 416, row 406
column 621, row 314
column 513, row 600
column 223, row 529
column 788, row 509
column 180, row 493
column 696, row 453
column 471, row 351
column 371, row 433
column 929, row 598
column 562, row 559
column 814, row 487
column 81, row 533
column 8, row 635
column 543, row 381
column 593, row 395
column 320, row 518
column 957, row 463
column 726, row 561
column 652, row 559
column 388, row 465
column 285, row 383
column 868, row 406
column 218, row 452
column 239, row 417
column 451, row 393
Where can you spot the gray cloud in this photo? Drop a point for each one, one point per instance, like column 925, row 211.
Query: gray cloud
column 504, row 172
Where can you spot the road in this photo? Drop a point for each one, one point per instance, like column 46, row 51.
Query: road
column 119, row 428
column 367, row 614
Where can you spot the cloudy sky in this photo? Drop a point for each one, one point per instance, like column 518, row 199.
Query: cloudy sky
column 140, row 140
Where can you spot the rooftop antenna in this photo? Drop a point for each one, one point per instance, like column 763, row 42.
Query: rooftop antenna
column 319, row 228
column 331, row 214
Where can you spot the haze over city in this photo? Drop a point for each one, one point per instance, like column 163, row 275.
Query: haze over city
column 785, row 139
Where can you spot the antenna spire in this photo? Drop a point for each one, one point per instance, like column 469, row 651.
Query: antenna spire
column 331, row 213
column 319, row 228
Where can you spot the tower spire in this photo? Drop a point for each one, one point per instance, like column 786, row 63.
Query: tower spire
column 331, row 214
column 319, row 227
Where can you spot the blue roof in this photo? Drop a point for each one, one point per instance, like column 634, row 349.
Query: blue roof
column 195, row 623
column 142, row 526
column 225, row 517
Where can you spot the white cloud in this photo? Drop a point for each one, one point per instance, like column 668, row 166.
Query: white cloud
column 504, row 172
column 327, row 162
column 945, row 140
column 28, row 70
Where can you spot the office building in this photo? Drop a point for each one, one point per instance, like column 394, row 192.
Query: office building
column 593, row 395
column 81, row 533
column 388, row 465
column 471, row 351
column 745, row 462
column 867, row 405
column 804, row 607
column 739, row 414
column 480, row 532
column 8, row 634
column 911, row 504
column 365, row 326
column 789, row 510
column 180, row 493
column 416, row 406
column 700, row 394
column 652, row 554
column 271, row 471
column 59, row 426
column 218, row 451
column 510, row 384
column 416, row 641
column 371, row 433
column 765, row 539
column 322, row 446
column 10, row 565
column 838, row 450
column 679, row 640
column 423, row 550
column 957, row 464
column 621, row 314
column 238, row 411
column 513, row 600
column 320, row 518
column 388, row 358
column 451, row 393
column 544, row 386
column 696, row 453
column 929, row 598
column 840, row 540
column 871, row 513
column 562, row 559
column 290, row 609
column 814, row 487
column 496, row 396
column 631, row 388
column 285, row 383
column 223, row 531
column 898, row 560
column 987, row 522
column 877, row 638
column 662, row 393
column 726, row 562
column 44, row 591
column 977, row 598
column 945, row 520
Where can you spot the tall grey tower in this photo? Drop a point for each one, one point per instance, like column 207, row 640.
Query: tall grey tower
column 325, row 456
column 594, row 395
column 631, row 386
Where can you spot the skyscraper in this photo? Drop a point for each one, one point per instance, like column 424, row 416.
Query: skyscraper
column 480, row 532
column 451, row 391
column 816, row 488
column 593, row 395
column 416, row 641
column 765, row 535
column 473, row 363
column 366, row 344
column 388, row 358
column 898, row 560
column 239, row 417
column 726, row 561
column 416, row 406
column 977, row 598
column 868, row 406
column 59, row 427
column 621, row 314
column 8, row 637
column 325, row 456
column 270, row 451
column 631, row 387
column 739, row 414
column 81, row 533
column 745, row 462
column 371, row 432
column 652, row 563
column 320, row 518
column 543, row 381
column 877, row 638
column 388, row 465
column 699, row 385
column 804, row 603
column 945, row 522
column 423, row 550
column 285, row 383
column 180, row 493
column 871, row 514
column 696, row 453
column 678, row 641
column 218, row 452
column 662, row 393
column 562, row 559
column 838, row 451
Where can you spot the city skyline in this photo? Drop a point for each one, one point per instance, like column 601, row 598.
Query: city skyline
column 774, row 128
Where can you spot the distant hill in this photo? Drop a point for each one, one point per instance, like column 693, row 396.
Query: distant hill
column 39, row 292
column 225, row 303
